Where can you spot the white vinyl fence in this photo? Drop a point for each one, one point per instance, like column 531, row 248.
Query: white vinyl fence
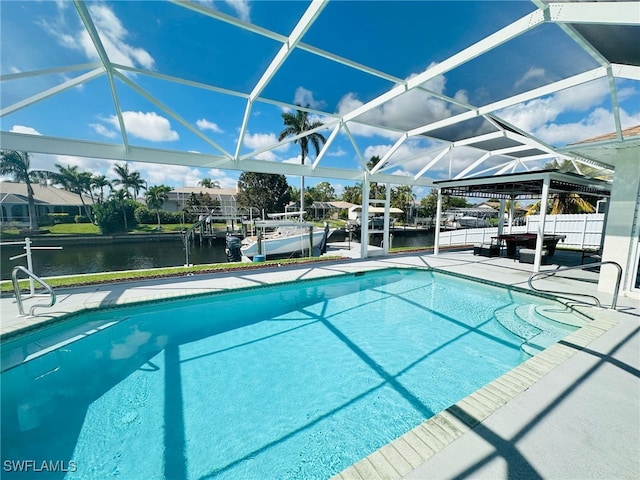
column 582, row 231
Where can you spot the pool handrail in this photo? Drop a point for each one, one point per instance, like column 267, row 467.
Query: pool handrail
column 16, row 288
column 550, row 273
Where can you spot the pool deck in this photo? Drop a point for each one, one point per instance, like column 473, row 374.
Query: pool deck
column 572, row 411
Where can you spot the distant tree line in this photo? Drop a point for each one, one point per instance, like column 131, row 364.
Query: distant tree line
column 115, row 208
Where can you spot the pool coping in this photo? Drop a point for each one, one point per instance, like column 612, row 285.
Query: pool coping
column 404, row 454
column 412, row 449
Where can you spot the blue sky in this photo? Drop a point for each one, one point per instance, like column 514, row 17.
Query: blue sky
column 400, row 39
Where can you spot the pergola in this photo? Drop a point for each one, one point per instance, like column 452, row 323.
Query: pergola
column 521, row 186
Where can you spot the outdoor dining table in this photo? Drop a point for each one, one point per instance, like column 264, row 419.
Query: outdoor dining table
column 515, row 240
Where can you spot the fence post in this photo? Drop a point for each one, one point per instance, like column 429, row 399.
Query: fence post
column 27, row 247
column 584, row 231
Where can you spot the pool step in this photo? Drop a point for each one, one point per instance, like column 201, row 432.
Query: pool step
column 539, row 326
column 554, row 321
column 561, row 315
column 548, row 317
column 515, row 324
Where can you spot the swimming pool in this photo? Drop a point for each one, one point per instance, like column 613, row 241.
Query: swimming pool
column 292, row 381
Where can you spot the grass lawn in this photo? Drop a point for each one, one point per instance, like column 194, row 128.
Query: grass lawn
column 6, row 286
column 88, row 229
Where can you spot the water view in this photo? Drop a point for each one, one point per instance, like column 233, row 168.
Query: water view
column 92, row 258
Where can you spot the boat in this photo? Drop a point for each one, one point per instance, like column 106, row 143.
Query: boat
column 283, row 237
column 466, row 221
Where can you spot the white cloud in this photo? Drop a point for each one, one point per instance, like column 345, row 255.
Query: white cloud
column 23, row 129
column 257, row 141
column 110, row 30
column 338, row 188
column 531, row 78
column 411, row 157
column 295, row 160
column 241, row 7
column 41, row 161
column 102, row 130
column 596, row 123
column 304, row 97
column 226, row 181
column 337, row 153
column 204, row 124
column 409, row 110
column 146, row 125
column 540, row 116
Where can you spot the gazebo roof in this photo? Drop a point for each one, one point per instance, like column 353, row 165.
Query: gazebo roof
column 524, row 185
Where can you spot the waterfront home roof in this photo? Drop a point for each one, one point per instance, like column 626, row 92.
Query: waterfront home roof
column 16, row 193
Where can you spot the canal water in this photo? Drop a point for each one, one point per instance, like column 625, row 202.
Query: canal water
column 107, row 257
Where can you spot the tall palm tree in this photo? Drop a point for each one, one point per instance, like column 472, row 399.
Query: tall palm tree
column 120, row 196
column 376, row 191
column 129, row 179
column 100, row 182
column 295, row 124
column 17, row 164
column 75, row 181
column 208, row 183
column 404, row 198
column 155, row 198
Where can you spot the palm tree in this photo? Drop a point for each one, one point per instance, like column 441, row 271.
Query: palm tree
column 375, row 191
column 128, row 179
column 208, row 183
column 120, row 197
column 404, row 198
column 295, row 124
column 17, row 164
column 155, row 198
column 563, row 203
column 99, row 182
column 76, row 182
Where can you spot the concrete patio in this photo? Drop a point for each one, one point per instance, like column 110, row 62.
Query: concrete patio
column 572, row 411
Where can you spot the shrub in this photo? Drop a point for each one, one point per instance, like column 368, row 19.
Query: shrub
column 82, row 219
column 149, row 217
column 110, row 215
column 145, row 216
column 49, row 219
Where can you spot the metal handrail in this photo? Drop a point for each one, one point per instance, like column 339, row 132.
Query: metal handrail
column 550, row 273
column 16, row 288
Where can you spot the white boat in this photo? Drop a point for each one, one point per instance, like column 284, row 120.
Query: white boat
column 279, row 238
column 465, row 222
column 472, row 222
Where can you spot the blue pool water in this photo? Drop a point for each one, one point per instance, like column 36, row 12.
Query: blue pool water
column 293, row 381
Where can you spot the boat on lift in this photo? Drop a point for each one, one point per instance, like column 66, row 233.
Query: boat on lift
column 283, row 236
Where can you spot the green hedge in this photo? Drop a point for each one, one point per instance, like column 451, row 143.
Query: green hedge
column 145, row 216
column 49, row 219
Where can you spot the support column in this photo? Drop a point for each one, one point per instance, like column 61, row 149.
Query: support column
column 501, row 216
column 436, row 243
column 621, row 230
column 512, row 209
column 385, row 228
column 364, row 218
column 543, row 217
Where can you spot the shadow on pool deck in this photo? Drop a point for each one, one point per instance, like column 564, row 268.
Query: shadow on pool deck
column 580, row 420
